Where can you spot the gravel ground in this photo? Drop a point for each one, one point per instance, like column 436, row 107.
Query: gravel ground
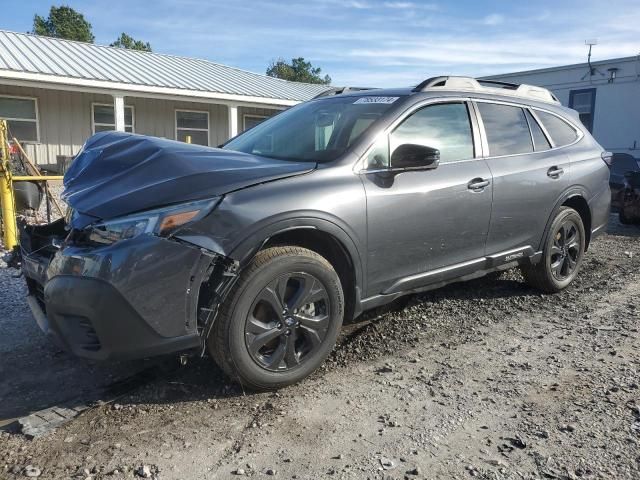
column 486, row 379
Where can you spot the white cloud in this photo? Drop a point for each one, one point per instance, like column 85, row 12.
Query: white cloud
column 493, row 19
column 378, row 42
column 401, row 5
column 357, row 4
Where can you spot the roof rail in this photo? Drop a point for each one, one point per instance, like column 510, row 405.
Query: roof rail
column 339, row 91
column 487, row 86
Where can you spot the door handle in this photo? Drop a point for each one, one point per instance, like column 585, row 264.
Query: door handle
column 554, row 172
column 477, row 184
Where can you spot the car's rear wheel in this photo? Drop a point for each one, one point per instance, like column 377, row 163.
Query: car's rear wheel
column 562, row 253
column 281, row 319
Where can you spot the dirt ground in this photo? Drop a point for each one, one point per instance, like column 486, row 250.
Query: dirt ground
column 486, row 379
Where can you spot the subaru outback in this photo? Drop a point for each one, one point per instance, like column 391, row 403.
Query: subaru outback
column 258, row 251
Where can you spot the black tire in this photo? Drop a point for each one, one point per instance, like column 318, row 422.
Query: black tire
column 560, row 262
column 248, row 316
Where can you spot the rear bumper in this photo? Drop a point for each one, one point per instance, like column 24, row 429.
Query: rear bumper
column 134, row 300
column 600, row 207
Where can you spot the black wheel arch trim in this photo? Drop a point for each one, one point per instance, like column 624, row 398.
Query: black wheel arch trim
column 255, row 240
column 572, row 192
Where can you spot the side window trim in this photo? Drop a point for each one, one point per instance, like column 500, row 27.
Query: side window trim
column 484, row 143
column 474, row 119
column 533, row 140
column 544, row 132
column 532, row 111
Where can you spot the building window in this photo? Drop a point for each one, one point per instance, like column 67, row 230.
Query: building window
column 21, row 115
column 250, row 121
column 192, row 127
column 584, row 102
column 103, row 118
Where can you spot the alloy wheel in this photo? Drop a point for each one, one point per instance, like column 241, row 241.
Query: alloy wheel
column 565, row 250
column 287, row 321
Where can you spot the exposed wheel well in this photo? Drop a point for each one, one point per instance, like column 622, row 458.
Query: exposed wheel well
column 580, row 205
column 330, row 248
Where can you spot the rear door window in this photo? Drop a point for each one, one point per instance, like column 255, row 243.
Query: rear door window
column 506, row 129
column 560, row 131
column 540, row 141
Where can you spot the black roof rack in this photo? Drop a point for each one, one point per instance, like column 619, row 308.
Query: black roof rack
column 340, row 90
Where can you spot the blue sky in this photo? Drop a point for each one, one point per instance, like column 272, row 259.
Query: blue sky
column 366, row 42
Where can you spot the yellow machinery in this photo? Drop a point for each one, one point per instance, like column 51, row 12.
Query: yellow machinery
column 7, row 201
column 10, row 237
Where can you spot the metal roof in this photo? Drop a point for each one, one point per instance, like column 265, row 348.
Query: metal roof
column 58, row 59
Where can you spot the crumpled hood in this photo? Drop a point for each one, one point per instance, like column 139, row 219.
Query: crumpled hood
column 117, row 173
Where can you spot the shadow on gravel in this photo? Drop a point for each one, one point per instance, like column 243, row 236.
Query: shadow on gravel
column 66, row 383
column 45, row 377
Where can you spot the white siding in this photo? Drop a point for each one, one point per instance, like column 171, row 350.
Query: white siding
column 157, row 117
column 616, row 124
column 65, row 119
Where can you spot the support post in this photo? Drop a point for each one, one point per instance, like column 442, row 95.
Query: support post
column 10, row 237
column 118, row 111
column 233, row 120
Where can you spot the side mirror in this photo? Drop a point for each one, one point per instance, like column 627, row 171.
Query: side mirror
column 414, row 156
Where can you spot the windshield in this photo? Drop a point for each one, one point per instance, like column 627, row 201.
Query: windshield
column 317, row 131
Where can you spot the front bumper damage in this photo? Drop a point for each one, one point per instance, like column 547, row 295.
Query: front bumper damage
column 137, row 298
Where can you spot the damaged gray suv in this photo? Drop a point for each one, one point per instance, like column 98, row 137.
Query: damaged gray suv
column 258, row 251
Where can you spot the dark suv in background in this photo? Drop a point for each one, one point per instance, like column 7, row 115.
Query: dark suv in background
column 625, row 198
column 258, row 251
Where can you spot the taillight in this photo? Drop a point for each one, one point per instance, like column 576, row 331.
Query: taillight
column 607, row 156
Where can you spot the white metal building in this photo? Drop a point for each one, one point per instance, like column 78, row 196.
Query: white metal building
column 56, row 93
column 605, row 93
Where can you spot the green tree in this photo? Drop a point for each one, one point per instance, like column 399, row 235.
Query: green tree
column 125, row 41
column 297, row 71
column 63, row 22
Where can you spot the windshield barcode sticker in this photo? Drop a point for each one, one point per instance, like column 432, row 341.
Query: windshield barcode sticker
column 376, row 100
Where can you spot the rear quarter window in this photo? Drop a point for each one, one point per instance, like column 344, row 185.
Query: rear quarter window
column 560, row 131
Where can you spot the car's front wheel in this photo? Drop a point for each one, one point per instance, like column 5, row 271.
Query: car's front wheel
column 281, row 319
column 562, row 253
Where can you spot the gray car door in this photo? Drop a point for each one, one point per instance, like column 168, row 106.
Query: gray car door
column 528, row 176
column 420, row 221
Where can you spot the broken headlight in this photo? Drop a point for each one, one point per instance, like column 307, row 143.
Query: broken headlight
column 161, row 222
